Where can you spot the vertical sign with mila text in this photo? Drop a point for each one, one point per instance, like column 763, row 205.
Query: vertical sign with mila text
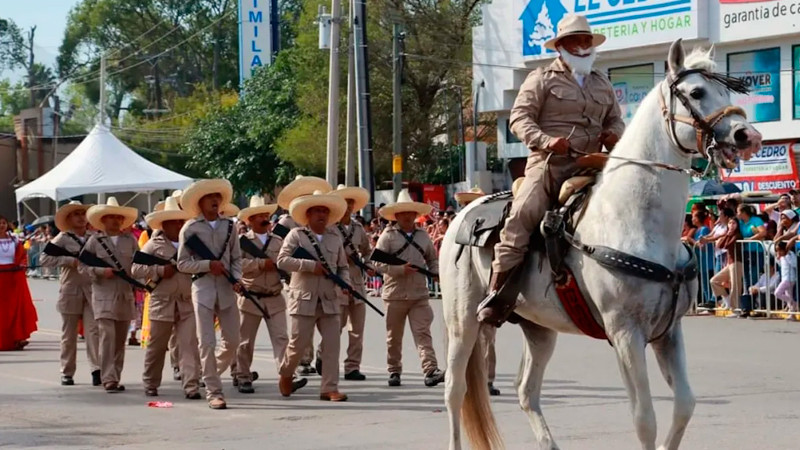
column 255, row 37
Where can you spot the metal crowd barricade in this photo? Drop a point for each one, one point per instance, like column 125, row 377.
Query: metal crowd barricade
column 757, row 269
column 706, row 265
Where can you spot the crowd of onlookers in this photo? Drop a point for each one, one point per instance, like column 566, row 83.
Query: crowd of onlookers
column 744, row 254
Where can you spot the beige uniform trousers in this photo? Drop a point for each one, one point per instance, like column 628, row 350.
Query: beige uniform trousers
column 69, row 340
column 488, row 334
column 161, row 332
column 528, row 208
column 113, row 335
column 356, row 312
column 420, row 318
column 301, row 338
column 278, row 337
column 213, row 365
column 174, row 357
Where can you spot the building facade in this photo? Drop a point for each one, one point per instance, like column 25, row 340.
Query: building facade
column 757, row 40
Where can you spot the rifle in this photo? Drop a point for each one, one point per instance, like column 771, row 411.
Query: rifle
column 54, row 250
column 301, row 253
column 280, row 231
column 253, row 250
column 91, row 260
column 147, row 259
column 361, row 264
column 200, row 249
column 392, row 260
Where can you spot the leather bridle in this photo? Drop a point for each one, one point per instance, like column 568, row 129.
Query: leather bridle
column 704, row 126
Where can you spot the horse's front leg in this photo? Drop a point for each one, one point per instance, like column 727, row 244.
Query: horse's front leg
column 671, row 358
column 630, row 347
column 540, row 343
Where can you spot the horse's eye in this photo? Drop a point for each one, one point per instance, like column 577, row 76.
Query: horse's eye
column 697, row 94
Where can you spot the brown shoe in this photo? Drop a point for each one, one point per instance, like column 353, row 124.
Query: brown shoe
column 217, row 403
column 285, row 386
column 334, row 396
column 494, row 309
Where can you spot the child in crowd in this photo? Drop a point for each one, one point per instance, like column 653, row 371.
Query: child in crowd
column 785, row 290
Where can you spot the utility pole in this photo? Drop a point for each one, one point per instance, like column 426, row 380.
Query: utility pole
column 366, row 175
column 332, row 167
column 103, row 89
column 56, row 126
column 350, row 145
column 397, row 103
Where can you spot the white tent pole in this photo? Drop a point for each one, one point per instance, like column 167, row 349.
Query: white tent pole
column 149, row 202
column 131, row 199
column 29, row 209
column 101, row 198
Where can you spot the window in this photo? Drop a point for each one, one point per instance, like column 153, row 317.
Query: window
column 631, row 85
column 761, row 71
column 511, row 138
column 796, row 79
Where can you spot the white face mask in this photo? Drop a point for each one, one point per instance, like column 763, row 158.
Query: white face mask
column 581, row 65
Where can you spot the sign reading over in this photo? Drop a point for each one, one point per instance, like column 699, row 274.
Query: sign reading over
column 255, row 37
column 761, row 72
column 626, row 23
column 771, row 169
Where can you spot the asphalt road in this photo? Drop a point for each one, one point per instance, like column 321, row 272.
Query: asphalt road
column 745, row 373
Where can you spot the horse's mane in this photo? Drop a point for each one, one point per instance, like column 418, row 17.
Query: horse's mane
column 700, row 58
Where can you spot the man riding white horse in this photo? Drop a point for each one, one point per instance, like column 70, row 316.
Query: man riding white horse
column 566, row 105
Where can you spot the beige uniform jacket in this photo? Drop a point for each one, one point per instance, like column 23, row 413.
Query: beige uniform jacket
column 359, row 244
column 396, row 284
column 207, row 289
column 550, row 103
column 306, row 289
column 112, row 298
column 171, row 293
column 74, row 286
column 260, row 281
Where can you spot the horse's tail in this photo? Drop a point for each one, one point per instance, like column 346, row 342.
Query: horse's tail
column 476, row 413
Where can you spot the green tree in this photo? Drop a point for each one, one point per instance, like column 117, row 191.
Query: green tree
column 239, row 142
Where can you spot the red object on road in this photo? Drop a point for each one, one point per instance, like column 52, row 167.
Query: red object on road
column 159, row 404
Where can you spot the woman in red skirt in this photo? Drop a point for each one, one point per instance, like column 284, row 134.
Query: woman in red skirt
column 17, row 314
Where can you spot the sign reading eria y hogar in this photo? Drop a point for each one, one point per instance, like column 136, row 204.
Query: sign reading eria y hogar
column 625, row 23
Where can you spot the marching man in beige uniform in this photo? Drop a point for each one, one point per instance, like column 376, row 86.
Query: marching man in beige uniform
column 566, row 105
column 356, row 245
column 262, row 279
column 405, row 291
column 302, row 185
column 314, row 300
column 112, row 297
column 74, row 293
column 212, row 293
column 170, row 304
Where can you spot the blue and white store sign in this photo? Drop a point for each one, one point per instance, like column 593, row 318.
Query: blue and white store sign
column 255, row 37
column 625, row 23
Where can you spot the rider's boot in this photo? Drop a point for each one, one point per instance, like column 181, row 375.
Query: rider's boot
column 495, row 309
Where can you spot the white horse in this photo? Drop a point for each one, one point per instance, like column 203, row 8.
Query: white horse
column 636, row 208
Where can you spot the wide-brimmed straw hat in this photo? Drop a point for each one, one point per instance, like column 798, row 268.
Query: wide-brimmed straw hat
column 65, row 211
column 571, row 25
column 171, row 211
column 229, row 210
column 177, row 194
column 336, row 204
column 516, row 185
column 404, row 203
column 96, row 213
column 301, row 186
column 464, row 198
column 358, row 195
column 257, row 206
column 190, row 199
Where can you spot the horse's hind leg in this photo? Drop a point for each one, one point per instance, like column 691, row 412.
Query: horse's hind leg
column 540, row 343
column 461, row 339
column 671, row 357
column 630, row 348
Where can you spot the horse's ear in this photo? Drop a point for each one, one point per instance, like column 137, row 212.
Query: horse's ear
column 676, row 57
column 712, row 52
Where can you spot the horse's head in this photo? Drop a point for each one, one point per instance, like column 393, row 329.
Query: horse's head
column 696, row 104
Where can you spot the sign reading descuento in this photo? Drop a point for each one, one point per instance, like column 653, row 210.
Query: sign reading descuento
column 771, row 169
column 761, row 72
column 625, row 23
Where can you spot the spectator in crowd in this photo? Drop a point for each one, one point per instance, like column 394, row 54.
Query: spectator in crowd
column 787, row 260
column 701, row 207
column 727, row 284
column 17, row 314
column 767, row 282
column 688, row 228
column 774, row 210
column 705, row 254
column 719, row 230
column 439, row 232
column 794, row 197
column 772, row 230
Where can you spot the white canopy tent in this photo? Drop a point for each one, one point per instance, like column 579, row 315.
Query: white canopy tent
column 101, row 164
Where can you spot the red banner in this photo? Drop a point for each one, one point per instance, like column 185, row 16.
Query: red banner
column 772, row 169
column 434, row 195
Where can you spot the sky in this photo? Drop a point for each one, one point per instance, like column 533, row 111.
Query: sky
column 49, row 17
